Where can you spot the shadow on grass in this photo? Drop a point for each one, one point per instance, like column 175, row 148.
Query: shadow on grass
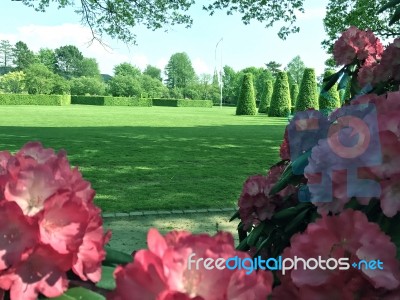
column 140, row 168
column 130, row 234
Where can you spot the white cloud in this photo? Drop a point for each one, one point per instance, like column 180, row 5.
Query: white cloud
column 52, row 37
column 201, row 67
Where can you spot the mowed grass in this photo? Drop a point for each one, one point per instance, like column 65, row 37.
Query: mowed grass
column 152, row 158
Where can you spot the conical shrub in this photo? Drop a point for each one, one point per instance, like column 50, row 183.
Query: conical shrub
column 331, row 99
column 266, row 99
column 308, row 96
column 247, row 101
column 294, row 92
column 280, row 101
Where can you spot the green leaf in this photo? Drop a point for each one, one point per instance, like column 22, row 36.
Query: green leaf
column 255, row 234
column 288, row 176
column 264, row 243
column 301, row 162
column 388, row 5
column 395, row 17
column 332, row 80
column 79, row 293
column 116, row 257
column 107, row 278
column 292, row 226
column 289, row 212
column 234, row 216
column 243, row 246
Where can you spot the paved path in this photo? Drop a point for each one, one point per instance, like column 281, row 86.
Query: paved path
column 129, row 233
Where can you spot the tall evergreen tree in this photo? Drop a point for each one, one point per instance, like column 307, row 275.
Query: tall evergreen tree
column 22, row 56
column 6, row 56
column 330, row 99
column 266, row 99
column 247, row 101
column 308, row 96
column 280, row 101
column 294, row 92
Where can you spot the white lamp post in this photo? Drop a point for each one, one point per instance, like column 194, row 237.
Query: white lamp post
column 219, row 74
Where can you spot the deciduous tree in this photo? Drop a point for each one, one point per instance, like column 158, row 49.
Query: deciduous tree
column 13, row 82
column 68, row 61
column 295, row 70
column 179, row 71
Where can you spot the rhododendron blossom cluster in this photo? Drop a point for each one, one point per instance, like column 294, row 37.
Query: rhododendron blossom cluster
column 255, row 203
column 350, row 235
column 355, row 44
column 162, row 272
column 48, row 224
column 388, row 68
column 386, row 172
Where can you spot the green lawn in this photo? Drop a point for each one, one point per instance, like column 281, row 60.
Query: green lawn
column 154, row 157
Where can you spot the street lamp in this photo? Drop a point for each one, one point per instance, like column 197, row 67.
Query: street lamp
column 220, row 70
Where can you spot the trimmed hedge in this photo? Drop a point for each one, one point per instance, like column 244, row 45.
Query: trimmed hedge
column 181, row 102
column 294, row 92
column 330, row 99
column 280, row 101
column 266, row 99
column 308, row 96
column 23, row 99
column 247, row 101
column 110, row 101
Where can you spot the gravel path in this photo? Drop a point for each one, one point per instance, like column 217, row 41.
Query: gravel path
column 130, row 233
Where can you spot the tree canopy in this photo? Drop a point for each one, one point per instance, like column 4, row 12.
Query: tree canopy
column 119, row 17
column 341, row 14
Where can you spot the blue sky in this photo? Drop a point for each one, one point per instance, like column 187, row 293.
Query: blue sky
column 242, row 45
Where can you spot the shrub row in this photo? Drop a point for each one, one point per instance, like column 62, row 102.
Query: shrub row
column 181, row 102
column 24, row 99
column 110, row 101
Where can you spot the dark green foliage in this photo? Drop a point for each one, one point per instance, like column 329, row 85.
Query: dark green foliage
column 179, row 71
column 266, row 99
column 110, row 101
column 247, row 102
column 294, row 92
column 23, row 99
column 347, row 92
column 87, row 86
column 22, row 56
column 182, row 102
column 329, row 100
column 308, row 96
column 280, row 101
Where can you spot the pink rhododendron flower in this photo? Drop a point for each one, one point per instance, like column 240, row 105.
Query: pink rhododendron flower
column 17, row 236
column 43, row 272
column 255, row 203
column 366, row 73
column 389, row 66
column 48, row 224
column 356, row 44
column 347, row 235
column 162, row 272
